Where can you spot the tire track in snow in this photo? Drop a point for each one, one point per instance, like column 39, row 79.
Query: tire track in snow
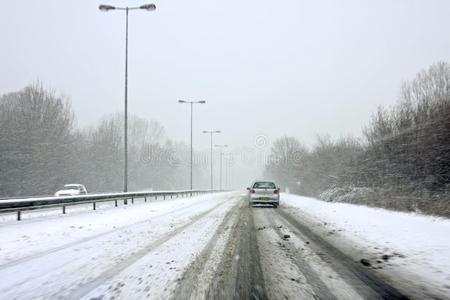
column 83, row 290
column 239, row 274
column 318, row 286
column 61, row 265
column 188, row 286
column 89, row 238
column 352, row 272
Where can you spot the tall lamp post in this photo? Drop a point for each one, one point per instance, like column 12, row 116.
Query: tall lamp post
column 106, row 8
column 221, row 156
column 192, row 106
column 211, row 132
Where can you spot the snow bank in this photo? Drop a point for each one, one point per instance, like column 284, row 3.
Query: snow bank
column 409, row 243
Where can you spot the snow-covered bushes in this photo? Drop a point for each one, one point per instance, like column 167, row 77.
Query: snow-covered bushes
column 388, row 198
column 348, row 194
column 403, row 163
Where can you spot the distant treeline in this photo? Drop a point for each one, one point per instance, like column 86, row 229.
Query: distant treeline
column 403, row 161
column 41, row 149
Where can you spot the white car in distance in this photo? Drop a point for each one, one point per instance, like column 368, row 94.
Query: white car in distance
column 72, row 190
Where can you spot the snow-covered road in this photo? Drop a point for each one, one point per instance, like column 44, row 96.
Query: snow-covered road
column 210, row 246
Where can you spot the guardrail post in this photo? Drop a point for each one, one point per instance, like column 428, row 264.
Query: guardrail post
column 93, row 205
column 18, row 215
column 64, row 209
column 115, row 203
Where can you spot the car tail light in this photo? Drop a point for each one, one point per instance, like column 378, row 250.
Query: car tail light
column 252, row 191
column 276, row 191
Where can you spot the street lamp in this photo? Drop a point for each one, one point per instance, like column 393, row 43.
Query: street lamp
column 106, row 8
column 211, row 132
column 221, row 155
column 192, row 105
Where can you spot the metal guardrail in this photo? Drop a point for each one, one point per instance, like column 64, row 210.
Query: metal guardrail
column 26, row 204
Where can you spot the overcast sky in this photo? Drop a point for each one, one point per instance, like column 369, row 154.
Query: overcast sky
column 269, row 68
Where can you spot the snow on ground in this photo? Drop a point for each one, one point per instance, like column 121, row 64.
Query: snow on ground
column 155, row 275
column 50, row 229
column 106, row 251
column 413, row 245
column 303, row 273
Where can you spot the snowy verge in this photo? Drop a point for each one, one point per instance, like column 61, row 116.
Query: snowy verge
column 413, row 246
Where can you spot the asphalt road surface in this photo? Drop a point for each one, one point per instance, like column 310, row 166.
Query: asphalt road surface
column 271, row 255
column 216, row 248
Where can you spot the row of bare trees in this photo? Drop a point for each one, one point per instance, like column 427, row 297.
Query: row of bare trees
column 402, row 162
column 41, row 149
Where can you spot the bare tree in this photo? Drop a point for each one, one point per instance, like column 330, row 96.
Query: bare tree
column 285, row 160
column 409, row 146
column 35, row 141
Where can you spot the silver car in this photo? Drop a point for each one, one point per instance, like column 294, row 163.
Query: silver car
column 264, row 192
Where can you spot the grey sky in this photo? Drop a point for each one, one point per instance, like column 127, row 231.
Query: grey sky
column 265, row 67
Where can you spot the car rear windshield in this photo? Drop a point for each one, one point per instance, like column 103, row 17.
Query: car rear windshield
column 71, row 187
column 264, row 185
